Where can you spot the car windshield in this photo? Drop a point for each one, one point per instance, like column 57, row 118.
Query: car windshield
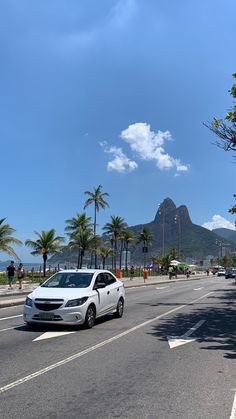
column 69, row 280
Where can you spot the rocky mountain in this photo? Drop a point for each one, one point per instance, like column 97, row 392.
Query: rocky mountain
column 226, row 234
column 172, row 228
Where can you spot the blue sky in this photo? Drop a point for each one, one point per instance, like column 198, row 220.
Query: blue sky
column 113, row 92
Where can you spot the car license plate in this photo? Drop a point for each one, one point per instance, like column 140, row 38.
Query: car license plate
column 46, row 316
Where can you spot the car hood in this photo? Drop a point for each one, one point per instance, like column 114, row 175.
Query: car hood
column 63, row 293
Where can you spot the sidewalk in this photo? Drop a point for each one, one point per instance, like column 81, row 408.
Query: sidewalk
column 16, row 297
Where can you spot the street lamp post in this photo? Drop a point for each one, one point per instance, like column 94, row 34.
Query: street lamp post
column 177, row 220
column 220, row 244
column 162, row 212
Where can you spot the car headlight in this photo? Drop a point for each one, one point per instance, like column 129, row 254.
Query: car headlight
column 28, row 302
column 76, row 302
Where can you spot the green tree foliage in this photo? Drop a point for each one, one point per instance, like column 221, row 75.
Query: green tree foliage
column 105, row 252
column 145, row 238
column 233, row 209
column 82, row 239
column 80, row 232
column 127, row 237
column 115, row 229
column 6, row 238
column 225, row 128
column 80, row 220
column 46, row 244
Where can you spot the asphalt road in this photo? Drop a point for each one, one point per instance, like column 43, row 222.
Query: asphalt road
column 134, row 367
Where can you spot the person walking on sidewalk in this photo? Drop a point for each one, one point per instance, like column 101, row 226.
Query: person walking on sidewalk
column 131, row 273
column 170, row 271
column 20, row 274
column 10, row 273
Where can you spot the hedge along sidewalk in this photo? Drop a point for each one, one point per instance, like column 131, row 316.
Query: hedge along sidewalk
column 16, row 297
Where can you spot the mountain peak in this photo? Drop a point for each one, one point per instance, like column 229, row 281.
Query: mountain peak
column 166, row 206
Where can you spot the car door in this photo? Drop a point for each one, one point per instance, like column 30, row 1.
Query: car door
column 103, row 295
column 113, row 287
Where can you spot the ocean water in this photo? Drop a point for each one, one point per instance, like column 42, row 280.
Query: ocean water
column 27, row 265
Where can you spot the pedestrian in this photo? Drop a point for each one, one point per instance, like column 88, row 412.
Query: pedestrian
column 20, row 274
column 170, row 271
column 131, row 272
column 10, row 274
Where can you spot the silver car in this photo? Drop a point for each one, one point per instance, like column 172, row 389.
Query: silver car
column 75, row 297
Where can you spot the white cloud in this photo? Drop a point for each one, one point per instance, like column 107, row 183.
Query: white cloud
column 149, row 145
column 120, row 162
column 219, row 222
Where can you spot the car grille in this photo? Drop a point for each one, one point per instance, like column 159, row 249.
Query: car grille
column 46, row 304
column 51, row 319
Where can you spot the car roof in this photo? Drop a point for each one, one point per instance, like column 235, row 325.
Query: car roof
column 90, row 271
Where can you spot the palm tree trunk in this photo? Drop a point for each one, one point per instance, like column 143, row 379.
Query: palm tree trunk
column 115, row 247
column 126, row 257
column 121, row 250
column 94, row 230
column 81, row 258
column 44, row 264
column 78, row 260
column 103, row 262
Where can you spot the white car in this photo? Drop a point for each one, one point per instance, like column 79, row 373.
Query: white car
column 221, row 272
column 75, row 297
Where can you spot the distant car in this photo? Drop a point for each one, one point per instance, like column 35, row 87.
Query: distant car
column 230, row 273
column 221, row 272
column 75, row 297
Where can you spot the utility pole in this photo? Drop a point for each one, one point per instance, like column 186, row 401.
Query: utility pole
column 162, row 213
column 177, row 220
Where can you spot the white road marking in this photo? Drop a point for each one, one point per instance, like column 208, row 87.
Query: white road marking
column 12, row 328
column 49, row 335
column 162, row 288
column 93, row 348
column 198, row 289
column 233, row 412
column 175, row 341
column 11, row 317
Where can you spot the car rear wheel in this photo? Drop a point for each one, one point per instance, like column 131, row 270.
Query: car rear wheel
column 120, row 308
column 90, row 317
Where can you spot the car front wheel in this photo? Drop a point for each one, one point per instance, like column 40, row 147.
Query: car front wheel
column 120, row 308
column 90, row 317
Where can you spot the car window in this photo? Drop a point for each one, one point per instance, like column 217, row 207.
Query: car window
column 69, row 280
column 100, row 279
column 109, row 279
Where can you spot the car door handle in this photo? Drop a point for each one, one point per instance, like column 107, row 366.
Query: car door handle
column 108, row 292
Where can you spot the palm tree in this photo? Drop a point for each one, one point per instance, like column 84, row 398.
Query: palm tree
column 6, row 238
column 145, row 238
column 105, row 252
column 97, row 199
column 74, row 227
column 114, row 228
column 46, row 244
column 80, row 220
column 82, row 239
column 128, row 237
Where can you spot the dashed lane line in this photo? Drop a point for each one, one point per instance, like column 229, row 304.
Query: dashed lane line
column 11, row 317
